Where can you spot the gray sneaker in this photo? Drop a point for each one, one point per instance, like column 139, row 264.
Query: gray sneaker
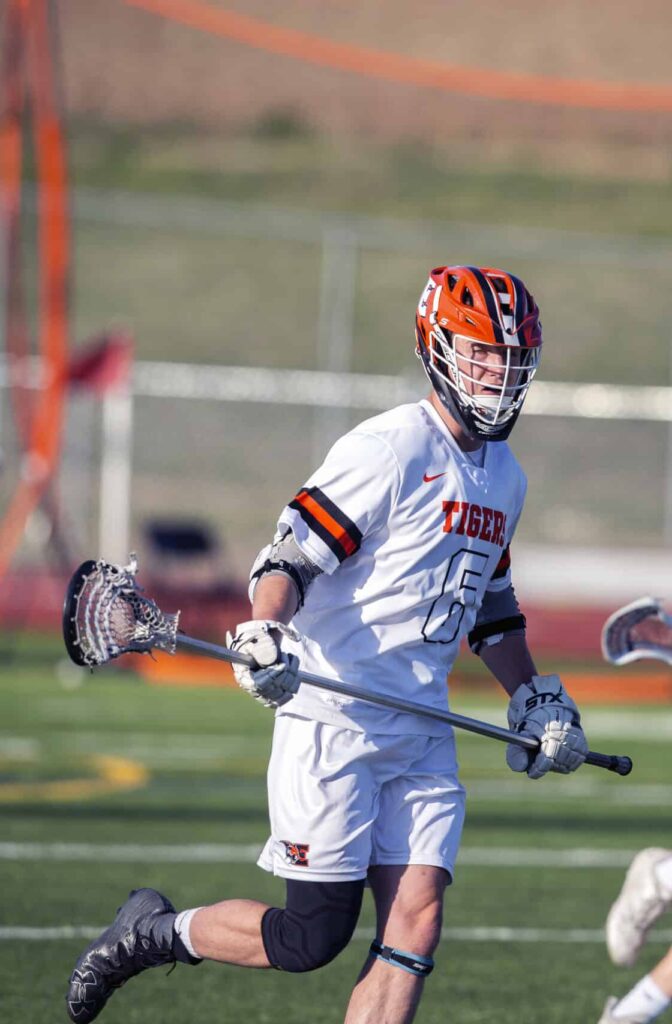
column 141, row 936
column 640, row 903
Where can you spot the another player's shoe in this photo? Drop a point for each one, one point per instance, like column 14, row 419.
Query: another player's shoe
column 608, row 1016
column 140, row 936
column 640, row 903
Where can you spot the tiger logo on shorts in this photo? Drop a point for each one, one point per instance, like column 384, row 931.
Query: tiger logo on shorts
column 296, row 853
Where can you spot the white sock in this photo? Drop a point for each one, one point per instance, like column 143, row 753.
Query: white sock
column 663, row 872
column 182, row 926
column 644, row 1002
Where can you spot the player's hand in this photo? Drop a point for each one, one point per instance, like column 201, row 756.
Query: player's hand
column 275, row 679
column 542, row 709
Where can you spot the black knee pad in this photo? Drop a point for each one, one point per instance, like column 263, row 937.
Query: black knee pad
column 316, row 924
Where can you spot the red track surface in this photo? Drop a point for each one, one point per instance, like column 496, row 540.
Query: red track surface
column 34, row 601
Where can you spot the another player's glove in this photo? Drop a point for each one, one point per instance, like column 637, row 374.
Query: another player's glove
column 542, row 709
column 641, row 629
column 275, row 680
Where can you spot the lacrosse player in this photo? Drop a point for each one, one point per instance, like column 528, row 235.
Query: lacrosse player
column 637, row 631
column 395, row 549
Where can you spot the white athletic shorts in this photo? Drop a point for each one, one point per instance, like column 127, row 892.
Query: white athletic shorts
column 340, row 801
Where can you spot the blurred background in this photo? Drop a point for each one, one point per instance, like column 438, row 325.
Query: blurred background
column 218, row 220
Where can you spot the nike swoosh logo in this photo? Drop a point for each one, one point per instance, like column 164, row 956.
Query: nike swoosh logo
column 428, row 479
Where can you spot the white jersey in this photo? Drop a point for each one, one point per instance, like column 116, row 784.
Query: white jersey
column 409, row 532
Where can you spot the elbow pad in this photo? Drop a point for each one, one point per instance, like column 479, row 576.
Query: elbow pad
column 284, row 557
column 498, row 616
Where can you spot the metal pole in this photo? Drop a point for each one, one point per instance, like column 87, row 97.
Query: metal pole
column 667, row 507
column 621, row 764
column 115, row 474
column 336, row 328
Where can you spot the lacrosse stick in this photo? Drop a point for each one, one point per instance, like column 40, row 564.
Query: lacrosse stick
column 638, row 630
column 106, row 614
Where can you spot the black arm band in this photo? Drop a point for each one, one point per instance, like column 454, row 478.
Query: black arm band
column 513, row 624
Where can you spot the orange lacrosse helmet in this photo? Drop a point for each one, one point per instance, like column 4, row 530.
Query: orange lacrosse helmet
column 479, row 338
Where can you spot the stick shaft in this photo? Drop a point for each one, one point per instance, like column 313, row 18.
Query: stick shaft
column 612, row 762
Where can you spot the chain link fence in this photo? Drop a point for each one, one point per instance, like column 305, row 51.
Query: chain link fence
column 210, row 283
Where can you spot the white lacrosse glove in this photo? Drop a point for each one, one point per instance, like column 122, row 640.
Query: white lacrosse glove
column 543, row 710
column 275, row 679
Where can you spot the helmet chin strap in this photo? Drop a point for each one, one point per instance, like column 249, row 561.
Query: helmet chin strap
column 494, row 404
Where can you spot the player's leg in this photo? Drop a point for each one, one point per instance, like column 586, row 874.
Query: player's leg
column 320, row 914
column 147, row 932
column 229, row 932
column 415, row 841
column 650, row 997
column 314, row 926
column 662, row 975
column 645, row 895
column 409, row 907
column 320, row 847
column 316, row 923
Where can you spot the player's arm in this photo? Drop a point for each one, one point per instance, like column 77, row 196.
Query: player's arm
column 279, row 580
column 540, row 706
column 275, row 597
column 509, row 661
column 318, row 530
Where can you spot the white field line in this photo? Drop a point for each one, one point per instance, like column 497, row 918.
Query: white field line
column 241, row 853
column 603, row 724
column 595, row 936
column 601, row 787
column 204, row 853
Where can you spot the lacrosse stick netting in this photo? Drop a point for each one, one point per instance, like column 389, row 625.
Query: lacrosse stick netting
column 105, row 614
column 641, row 629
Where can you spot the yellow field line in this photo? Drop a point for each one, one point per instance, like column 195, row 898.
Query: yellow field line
column 113, row 774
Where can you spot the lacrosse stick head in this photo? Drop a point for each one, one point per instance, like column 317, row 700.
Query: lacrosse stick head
column 638, row 630
column 105, row 614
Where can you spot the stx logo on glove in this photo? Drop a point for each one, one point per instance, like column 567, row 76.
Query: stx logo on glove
column 538, row 700
column 552, row 718
column 475, row 520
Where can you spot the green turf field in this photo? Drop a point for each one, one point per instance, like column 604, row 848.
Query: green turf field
column 523, row 938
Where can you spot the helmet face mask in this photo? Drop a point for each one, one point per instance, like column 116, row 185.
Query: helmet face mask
column 489, row 382
column 482, row 368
